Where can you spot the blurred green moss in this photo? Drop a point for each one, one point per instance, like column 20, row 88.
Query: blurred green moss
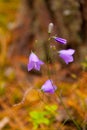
column 46, row 116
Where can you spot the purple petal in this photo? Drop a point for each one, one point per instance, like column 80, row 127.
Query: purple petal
column 60, row 40
column 37, row 66
column 66, row 55
column 49, row 87
column 67, row 52
column 30, row 66
column 66, row 58
column 41, row 62
column 34, row 62
column 33, row 57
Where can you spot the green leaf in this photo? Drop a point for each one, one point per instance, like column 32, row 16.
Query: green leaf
column 38, row 117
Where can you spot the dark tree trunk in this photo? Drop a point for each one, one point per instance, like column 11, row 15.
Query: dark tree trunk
column 69, row 18
column 83, row 10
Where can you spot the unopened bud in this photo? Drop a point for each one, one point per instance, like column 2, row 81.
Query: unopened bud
column 50, row 27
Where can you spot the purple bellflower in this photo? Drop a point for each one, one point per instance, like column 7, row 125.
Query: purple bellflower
column 66, row 55
column 34, row 62
column 60, row 40
column 48, row 87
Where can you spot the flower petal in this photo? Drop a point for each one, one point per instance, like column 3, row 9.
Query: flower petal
column 33, row 57
column 41, row 62
column 34, row 62
column 60, row 40
column 37, row 66
column 66, row 58
column 30, row 66
column 66, row 55
column 49, row 87
column 67, row 52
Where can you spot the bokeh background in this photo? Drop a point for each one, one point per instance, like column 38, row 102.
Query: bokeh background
column 24, row 27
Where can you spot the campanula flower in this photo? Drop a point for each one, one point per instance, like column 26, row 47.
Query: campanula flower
column 48, row 87
column 34, row 62
column 66, row 55
column 60, row 40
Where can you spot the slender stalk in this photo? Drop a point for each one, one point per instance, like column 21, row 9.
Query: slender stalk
column 48, row 69
column 49, row 75
column 75, row 123
column 63, row 123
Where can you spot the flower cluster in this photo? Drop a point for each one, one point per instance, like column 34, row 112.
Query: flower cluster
column 35, row 62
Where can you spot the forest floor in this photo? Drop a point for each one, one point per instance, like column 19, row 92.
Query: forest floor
column 19, row 97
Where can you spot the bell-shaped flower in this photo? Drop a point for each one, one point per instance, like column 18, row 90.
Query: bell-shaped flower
column 34, row 62
column 66, row 55
column 60, row 40
column 48, row 87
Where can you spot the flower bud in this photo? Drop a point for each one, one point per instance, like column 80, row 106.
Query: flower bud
column 50, row 28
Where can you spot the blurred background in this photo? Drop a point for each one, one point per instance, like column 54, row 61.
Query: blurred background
column 24, row 27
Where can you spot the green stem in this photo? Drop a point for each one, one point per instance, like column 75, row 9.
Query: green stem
column 48, row 69
column 76, row 124
column 62, row 125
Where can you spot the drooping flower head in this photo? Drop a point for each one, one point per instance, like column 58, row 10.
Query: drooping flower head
column 66, row 55
column 60, row 40
column 34, row 62
column 48, row 87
